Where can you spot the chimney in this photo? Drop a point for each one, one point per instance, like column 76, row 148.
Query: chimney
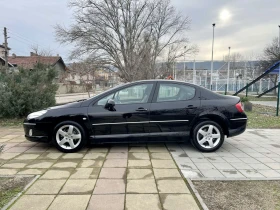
column 57, row 55
column 14, row 55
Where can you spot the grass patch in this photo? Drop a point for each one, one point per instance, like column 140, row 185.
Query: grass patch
column 264, row 98
column 10, row 187
column 8, row 195
column 262, row 117
column 11, row 122
column 249, row 195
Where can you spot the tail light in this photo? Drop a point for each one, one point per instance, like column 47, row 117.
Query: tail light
column 239, row 107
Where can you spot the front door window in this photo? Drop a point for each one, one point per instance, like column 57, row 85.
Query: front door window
column 131, row 95
column 134, row 94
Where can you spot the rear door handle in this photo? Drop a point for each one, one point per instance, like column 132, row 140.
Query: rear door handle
column 191, row 107
column 141, row 109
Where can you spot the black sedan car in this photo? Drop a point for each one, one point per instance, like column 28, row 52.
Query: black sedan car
column 142, row 111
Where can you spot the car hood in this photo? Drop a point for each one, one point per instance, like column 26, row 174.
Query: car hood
column 69, row 105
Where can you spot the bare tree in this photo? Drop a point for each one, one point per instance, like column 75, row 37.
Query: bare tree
column 84, row 70
column 40, row 52
column 173, row 53
column 271, row 54
column 130, row 34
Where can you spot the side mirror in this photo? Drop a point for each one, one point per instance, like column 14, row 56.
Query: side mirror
column 110, row 104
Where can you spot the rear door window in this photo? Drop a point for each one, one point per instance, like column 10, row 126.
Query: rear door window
column 175, row 92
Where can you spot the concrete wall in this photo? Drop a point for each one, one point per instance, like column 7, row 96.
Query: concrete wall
column 67, row 88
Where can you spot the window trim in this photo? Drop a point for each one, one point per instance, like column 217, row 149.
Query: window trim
column 171, row 83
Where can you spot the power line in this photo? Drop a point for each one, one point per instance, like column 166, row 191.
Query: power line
column 21, row 51
column 25, row 38
column 26, row 43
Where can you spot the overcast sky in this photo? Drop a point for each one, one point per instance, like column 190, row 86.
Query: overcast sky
column 245, row 25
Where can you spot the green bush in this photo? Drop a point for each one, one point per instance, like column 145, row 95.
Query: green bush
column 27, row 91
column 244, row 99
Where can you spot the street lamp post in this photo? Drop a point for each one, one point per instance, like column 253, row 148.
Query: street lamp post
column 237, row 76
column 194, row 72
column 278, row 98
column 211, row 81
column 279, row 39
column 228, row 68
column 185, row 64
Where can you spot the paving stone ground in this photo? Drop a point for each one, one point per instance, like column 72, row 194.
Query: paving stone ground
column 255, row 154
column 108, row 177
column 134, row 176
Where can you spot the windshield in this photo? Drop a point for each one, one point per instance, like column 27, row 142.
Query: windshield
column 107, row 91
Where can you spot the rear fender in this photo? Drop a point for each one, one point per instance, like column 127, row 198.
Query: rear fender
column 214, row 116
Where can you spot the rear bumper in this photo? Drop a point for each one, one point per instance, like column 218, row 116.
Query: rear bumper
column 237, row 126
column 36, row 132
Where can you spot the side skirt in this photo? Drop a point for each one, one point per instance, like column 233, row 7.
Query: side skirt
column 138, row 137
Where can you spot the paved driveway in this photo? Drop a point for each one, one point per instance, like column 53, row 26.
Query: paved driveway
column 111, row 177
column 132, row 176
column 254, row 154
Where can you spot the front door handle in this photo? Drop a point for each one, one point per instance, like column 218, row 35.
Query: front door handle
column 141, row 109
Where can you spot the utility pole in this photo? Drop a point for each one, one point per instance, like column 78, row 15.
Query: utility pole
column 6, row 48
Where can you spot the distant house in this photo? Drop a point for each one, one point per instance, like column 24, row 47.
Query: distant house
column 2, row 50
column 2, row 62
column 100, row 77
column 28, row 62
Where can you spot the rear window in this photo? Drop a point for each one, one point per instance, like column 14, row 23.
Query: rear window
column 175, row 92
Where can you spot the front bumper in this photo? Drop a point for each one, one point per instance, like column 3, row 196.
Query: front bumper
column 36, row 132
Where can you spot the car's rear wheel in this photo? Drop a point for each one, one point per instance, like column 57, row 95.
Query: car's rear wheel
column 69, row 136
column 208, row 136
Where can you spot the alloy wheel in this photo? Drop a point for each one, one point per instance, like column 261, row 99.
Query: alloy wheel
column 68, row 137
column 208, row 136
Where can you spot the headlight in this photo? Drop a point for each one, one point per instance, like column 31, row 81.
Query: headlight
column 36, row 114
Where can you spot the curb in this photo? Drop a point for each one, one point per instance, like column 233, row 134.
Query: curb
column 235, row 179
column 20, row 193
column 198, row 197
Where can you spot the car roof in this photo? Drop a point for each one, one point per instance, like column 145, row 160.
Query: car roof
column 160, row 80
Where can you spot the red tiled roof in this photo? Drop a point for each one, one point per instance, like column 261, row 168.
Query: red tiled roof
column 29, row 61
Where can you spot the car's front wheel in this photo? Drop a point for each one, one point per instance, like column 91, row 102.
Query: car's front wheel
column 69, row 136
column 208, row 136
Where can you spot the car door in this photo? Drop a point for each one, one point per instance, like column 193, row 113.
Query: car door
column 130, row 117
column 173, row 109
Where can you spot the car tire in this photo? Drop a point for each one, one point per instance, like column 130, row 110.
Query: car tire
column 208, row 136
column 69, row 136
